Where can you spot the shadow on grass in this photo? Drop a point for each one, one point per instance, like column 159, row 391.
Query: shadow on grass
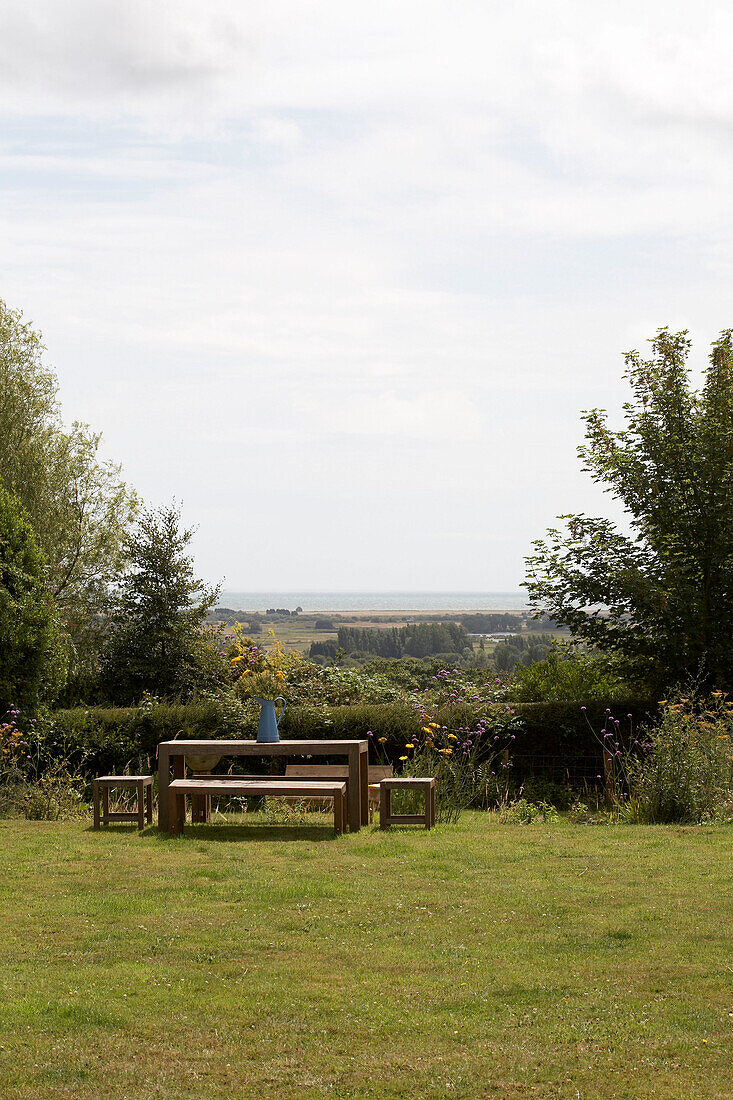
column 246, row 832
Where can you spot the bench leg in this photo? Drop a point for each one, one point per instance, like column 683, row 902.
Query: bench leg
column 339, row 811
column 95, row 789
column 140, row 805
column 149, row 803
column 105, row 805
column 432, row 806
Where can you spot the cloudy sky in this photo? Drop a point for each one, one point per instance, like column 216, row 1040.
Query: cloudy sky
column 341, row 276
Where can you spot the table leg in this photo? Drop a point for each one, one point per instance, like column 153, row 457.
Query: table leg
column 385, row 806
column 364, row 783
column 105, row 805
column 96, row 803
column 140, row 805
column 354, row 791
column 149, row 803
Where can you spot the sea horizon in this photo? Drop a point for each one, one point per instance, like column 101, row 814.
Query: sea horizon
column 317, row 601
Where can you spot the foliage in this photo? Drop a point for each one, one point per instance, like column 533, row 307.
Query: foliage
column 567, row 673
column 158, row 642
column 661, row 599
column 78, row 505
column 56, row 795
column 32, row 659
column 520, row 811
column 685, row 773
column 519, row 651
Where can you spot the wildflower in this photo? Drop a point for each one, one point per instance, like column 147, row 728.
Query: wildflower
column 403, row 758
column 409, row 745
column 452, row 737
column 381, row 740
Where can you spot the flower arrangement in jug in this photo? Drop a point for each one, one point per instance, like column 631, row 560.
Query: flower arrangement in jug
column 259, row 673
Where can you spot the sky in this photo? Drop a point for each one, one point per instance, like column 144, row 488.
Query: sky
column 341, row 277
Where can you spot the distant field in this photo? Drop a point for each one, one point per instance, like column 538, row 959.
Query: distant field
column 298, row 631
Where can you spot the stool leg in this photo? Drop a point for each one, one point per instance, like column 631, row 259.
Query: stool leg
column 149, row 803
column 427, row 807
column 95, row 789
column 385, row 806
column 140, row 805
column 105, row 805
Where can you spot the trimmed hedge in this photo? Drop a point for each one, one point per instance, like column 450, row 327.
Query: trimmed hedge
column 549, row 738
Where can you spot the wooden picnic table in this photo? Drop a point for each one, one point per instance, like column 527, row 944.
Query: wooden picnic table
column 175, row 752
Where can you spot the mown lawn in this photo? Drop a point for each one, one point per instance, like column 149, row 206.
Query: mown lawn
column 477, row 961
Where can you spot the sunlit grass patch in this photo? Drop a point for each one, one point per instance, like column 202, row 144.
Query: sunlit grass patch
column 251, row 958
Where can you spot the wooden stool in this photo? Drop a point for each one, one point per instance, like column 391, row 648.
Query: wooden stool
column 144, row 784
column 410, row 783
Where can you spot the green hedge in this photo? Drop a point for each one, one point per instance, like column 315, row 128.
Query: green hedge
column 548, row 737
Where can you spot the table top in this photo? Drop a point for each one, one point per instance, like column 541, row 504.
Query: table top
column 227, row 747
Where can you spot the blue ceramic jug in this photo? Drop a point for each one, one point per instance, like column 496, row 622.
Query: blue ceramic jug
column 267, row 728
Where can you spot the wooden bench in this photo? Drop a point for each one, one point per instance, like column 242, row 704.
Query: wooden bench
column 426, row 784
column 377, row 772
column 229, row 785
column 143, row 784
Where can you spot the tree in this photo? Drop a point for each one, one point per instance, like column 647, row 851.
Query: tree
column 157, row 639
column 661, row 598
column 78, row 505
column 32, row 659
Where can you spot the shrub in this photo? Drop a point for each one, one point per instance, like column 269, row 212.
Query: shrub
column 566, row 674
column 55, row 796
column 685, row 772
column 523, row 812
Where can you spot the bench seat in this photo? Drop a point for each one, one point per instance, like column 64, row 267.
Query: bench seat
column 262, row 785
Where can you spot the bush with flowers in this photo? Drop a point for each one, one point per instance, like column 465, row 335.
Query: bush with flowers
column 685, row 771
column 31, row 782
column 469, row 758
column 680, row 770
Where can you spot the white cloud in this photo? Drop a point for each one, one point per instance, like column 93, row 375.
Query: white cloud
column 374, row 256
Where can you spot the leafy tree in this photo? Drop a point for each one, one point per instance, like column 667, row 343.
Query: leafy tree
column 78, row 505
column 32, row 659
column 660, row 598
column 157, row 638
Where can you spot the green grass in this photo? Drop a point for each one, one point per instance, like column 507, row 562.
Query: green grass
column 278, row 962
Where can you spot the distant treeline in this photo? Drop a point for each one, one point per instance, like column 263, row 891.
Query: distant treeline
column 490, row 622
column 413, row 640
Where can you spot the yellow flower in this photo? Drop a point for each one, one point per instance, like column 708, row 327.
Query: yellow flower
column 452, row 737
column 409, row 745
column 381, row 740
column 425, row 729
column 403, row 758
column 447, row 752
column 435, row 725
